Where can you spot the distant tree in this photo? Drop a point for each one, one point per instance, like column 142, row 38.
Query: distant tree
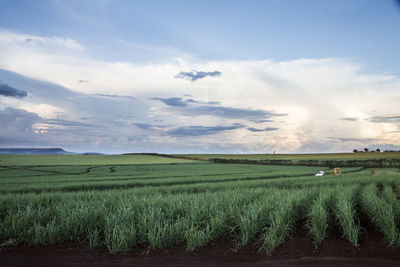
column 355, row 151
column 365, row 150
column 378, row 150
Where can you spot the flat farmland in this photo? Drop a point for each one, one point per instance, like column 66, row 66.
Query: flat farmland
column 129, row 204
column 322, row 156
column 61, row 160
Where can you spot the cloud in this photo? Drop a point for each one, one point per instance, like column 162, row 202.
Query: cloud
column 386, row 118
column 83, row 81
column 29, row 129
column 114, row 96
column 262, row 130
column 261, row 121
column 18, row 119
column 6, row 90
column 196, row 75
column 384, row 147
column 358, row 140
column 104, row 108
column 292, row 93
column 186, row 131
column 173, row 101
column 18, row 124
column 147, row 126
column 63, row 122
column 230, row 112
column 186, row 108
column 192, row 101
column 144, row 126
column 65, row 118
column 349, row 119
column 180, row 102
column 202, row 130
column 24, row 124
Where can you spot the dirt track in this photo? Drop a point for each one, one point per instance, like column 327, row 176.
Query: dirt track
column 299, row 251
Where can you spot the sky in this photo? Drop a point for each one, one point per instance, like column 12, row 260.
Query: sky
column 200, row 76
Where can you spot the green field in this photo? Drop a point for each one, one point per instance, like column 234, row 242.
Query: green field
column 323, row 156
column 361, row 159
column 46, row 160
column 128, row 201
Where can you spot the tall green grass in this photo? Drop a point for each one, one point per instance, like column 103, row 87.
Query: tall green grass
column 284, row 218
column 346, row 214
column 390, row 197
column 319, row 214
column 380, row 212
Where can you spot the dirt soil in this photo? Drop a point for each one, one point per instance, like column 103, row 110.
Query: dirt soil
column 296, row 251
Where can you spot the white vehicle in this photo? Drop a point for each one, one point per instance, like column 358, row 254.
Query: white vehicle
column 320, row 173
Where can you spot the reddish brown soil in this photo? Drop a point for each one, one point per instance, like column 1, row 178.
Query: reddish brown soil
column 296, row 251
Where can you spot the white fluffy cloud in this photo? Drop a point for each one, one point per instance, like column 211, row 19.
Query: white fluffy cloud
column 316, row 94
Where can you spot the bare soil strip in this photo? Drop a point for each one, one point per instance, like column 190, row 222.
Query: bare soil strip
column 297, row 251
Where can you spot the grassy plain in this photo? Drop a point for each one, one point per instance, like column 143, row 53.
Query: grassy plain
column 128, row 201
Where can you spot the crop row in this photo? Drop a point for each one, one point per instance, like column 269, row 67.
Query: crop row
column 122, row 220
column 199, row 185
column 173, row 176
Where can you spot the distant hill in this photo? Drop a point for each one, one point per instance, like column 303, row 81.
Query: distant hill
column 40, row 151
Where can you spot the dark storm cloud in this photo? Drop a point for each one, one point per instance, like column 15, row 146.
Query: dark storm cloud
column 172, row 101
column 197, row 75
column 202, row 130
column 349, row 119
column 262, row 130
column 386, row 119
column 6, row 90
